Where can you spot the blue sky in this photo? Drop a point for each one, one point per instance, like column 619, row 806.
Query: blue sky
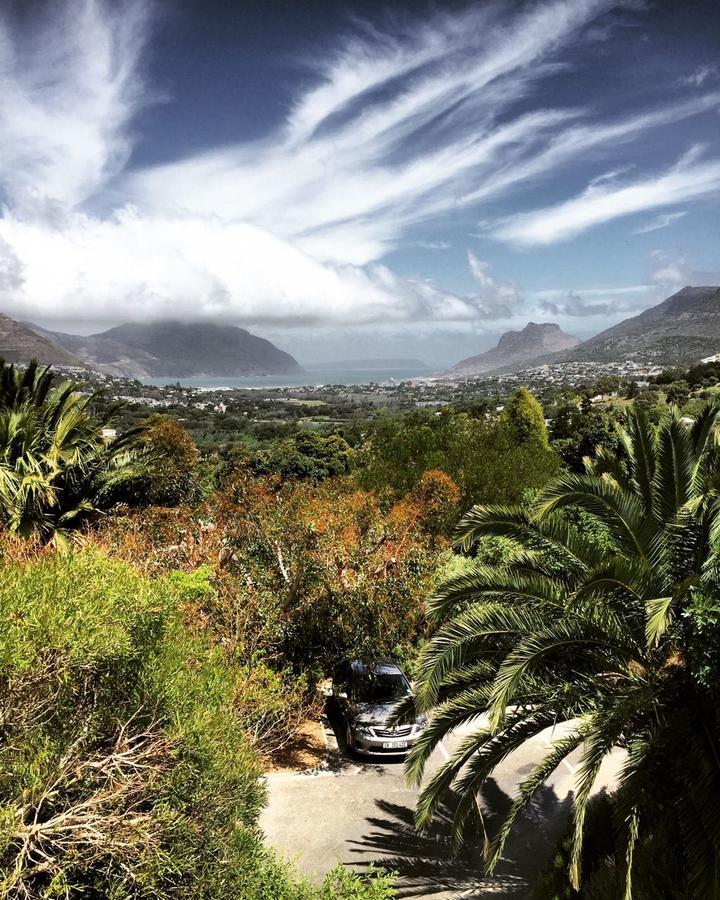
column 365, row 179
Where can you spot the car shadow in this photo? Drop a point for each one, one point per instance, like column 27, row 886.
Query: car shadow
column 425, row 866
column 338, row 758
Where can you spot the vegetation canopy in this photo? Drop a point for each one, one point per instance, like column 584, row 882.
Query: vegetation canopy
column 609, row 633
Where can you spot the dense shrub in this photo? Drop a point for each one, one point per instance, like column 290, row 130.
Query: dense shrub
column 492, row 460
column 301, row 573
column 170, row 471
column 125, row 769
column 306, row 455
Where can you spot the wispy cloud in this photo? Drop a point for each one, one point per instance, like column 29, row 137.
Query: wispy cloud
column 397, row 129
column 661, row 221
column 667, row 271
column 698, row 77
column 434, row 245
column 290, row 228
column 671, row 268
column 68, row 91
column 584, row 303
column 354, row 167
column 499, row 299
column 602, row 202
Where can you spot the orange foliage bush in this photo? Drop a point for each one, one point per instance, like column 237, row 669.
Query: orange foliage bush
column 301, row 573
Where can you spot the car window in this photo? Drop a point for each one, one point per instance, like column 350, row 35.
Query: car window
column 381, row 687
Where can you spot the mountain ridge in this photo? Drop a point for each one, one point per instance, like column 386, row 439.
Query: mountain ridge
column 514, row 347
column 19, row 343
column 679, row 330
column 174, row 349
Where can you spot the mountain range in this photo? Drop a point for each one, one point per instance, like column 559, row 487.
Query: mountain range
column 174, row 350
column 680, row 331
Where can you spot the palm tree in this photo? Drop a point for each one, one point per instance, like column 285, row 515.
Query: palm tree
column 21, row 386
column 605, row 626
column 55, row 466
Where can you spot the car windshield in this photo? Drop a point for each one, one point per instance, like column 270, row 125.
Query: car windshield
column 381, row 687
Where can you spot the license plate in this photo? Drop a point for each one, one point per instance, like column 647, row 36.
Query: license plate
column 394, row 745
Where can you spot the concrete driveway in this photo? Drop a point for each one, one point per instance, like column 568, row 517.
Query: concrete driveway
column 357, row 812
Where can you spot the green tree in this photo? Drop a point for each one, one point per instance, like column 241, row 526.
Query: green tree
column 652, row 401
column 526, row 417
column 678, row 392
column 578, row 434
column 56, row 468
column 491, row 460
column 171, row 463
column 306, row 455
column 613, row 641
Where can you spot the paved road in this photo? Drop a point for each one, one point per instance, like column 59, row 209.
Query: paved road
column 355, row 812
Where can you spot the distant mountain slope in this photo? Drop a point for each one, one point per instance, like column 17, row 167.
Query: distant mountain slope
column 515, row 348
column 679, row 331
column 178, row 349
column 20, row 344
column 105, row 355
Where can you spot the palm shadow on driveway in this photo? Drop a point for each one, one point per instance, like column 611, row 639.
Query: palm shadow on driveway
column 425, row 866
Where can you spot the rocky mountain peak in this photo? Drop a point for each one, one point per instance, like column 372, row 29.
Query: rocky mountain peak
column 514, row 347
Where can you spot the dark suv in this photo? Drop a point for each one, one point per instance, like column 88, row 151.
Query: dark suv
column 367, row 695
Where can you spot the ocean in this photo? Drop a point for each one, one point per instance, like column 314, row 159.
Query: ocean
column 308, row 378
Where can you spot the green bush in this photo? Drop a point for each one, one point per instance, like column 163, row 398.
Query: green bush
column 125, row 772
column 491, row 460
column 305, row 456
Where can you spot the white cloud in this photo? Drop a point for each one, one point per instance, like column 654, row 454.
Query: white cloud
column 193, row 267
column 599, row 303
column 601, row 202
column 670, row 268
column 434, row 245
column 397, row 129
column 576, row 140
column 68, row 91
column 699, row 76
column 661, row 221
column 287, row 229
column 499, row 299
